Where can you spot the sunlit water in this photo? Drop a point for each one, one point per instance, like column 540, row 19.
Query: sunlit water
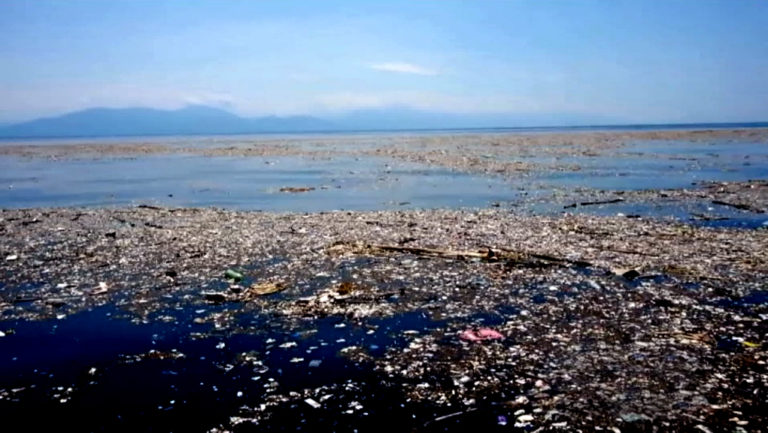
column 41, row 361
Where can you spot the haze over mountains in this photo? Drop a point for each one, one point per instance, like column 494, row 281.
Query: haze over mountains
column 200, row 119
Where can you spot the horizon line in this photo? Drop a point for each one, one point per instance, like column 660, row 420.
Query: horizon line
column 499, row 129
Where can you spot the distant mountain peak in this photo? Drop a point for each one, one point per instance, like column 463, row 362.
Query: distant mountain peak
column 204, row 119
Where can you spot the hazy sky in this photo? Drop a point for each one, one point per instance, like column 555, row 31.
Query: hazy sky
column 641, row 61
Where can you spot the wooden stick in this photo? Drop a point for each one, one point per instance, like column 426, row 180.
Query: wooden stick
column 491, row 254
column 738, row 206
column 590, row 203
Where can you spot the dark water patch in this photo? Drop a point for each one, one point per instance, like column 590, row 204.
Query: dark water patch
column 644, row 279
column 507, row 310
column 759, row 297
column 747, row 303
column 21, row 293
column 728, row 344
column 99, row 370
column 755, row 222
column 690, row 286
column 492, row 318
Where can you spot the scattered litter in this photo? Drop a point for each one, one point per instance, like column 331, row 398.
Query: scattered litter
column 584, row 339
column 628, row 273
column 101, row 289
column 592, row 203
column 293, row 189
column 232, row 274
column 215, row 296
column 480, row 335
column 266, row 288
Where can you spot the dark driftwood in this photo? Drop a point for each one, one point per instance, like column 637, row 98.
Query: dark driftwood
column 149, row 206
column 293, row 189
column 703, row 217
column 739, row 206
column 486, row 254
column 21, row 299
column 590, row 203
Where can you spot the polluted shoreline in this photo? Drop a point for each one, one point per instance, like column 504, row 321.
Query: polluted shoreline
column 430, row 320
column 597, row 281
column 226, row 216
column 504, row 155
column 544, row 172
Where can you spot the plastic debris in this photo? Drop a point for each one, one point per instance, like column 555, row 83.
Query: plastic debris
column 628, row 273
column 233, row 275
column 586, row 343
column 480, row 335
column 266, row 288
column 293, row 189
column 101, row 289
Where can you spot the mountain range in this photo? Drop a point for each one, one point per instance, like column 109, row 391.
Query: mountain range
column 190, row 120
column 198, row 119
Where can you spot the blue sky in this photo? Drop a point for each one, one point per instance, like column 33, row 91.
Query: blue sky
column 636, row 61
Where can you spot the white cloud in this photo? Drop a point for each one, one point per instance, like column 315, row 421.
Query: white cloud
column 403, row 68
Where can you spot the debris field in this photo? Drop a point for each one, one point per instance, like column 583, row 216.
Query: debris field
column 592, row 322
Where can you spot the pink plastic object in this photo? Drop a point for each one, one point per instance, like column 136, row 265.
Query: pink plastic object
column 489, row 334
column 469, row 335
column 480, row 335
